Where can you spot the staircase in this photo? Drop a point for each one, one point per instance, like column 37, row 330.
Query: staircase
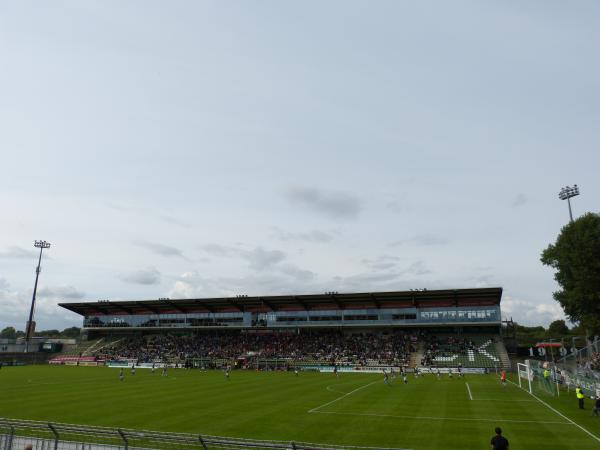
column 105, row 344
column 416, row 357
column 89, row 350
column 80, row 348
column 503, row 355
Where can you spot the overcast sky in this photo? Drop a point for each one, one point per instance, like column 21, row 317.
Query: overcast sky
column 193, row 149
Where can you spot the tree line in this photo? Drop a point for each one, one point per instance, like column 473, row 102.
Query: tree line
column 67, row 333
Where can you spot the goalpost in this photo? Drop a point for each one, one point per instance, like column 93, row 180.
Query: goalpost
column 541, row 376
column 525, row 373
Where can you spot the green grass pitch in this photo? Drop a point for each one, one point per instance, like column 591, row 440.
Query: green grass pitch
column 354, row 409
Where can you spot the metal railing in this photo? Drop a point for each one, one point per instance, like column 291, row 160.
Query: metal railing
column 581, row 356
column 17, row 434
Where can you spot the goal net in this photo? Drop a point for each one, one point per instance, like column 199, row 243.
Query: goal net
column 539, row 377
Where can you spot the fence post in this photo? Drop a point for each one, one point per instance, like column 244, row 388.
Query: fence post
column 202, row 442
column 55, row 435
column 124, row 438
column 9, row 438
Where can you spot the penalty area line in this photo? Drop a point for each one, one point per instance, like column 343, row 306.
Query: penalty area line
column 559, row 413
column 456, row 419
column 469, row 391
column 341, row 397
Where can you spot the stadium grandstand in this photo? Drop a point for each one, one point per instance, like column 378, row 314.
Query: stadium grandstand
column 350, row 332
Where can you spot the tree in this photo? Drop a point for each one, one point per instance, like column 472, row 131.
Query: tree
column 8, row 333
column 72, row 332
column 558, row 328
column 576, row 258
column 47, row 333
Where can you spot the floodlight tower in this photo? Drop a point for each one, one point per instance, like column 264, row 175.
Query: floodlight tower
column 30, row 327
column 567, row 193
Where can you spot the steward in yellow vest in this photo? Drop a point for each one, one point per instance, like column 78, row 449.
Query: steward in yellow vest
column 580, row 396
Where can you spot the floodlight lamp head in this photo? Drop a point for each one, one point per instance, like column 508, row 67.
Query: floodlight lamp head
column 568, row 192
column 41, row 244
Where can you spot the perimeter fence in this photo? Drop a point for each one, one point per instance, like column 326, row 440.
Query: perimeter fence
column 17, row 434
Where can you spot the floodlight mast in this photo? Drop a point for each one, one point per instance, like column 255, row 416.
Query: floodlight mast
column 567, row 193
column 29, row 328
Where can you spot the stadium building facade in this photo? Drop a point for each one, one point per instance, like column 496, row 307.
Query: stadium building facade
column 354, row 332
column 456, row 310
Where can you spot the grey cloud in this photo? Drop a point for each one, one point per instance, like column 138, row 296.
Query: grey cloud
column 485, row 280
column 520, row 200
column 218, row 250
column 297, row 273
column 315, row 236
column 195, row 285
column 380, row 277
column 381, row 267
column 336, row 205
column 532, row 312
column 160, row 249
column 394, row 206
column 148, row 212
column 64, row 292
column 17, row 252
column 289, row 279
column 261, row 259
column 15, row 305
column 382, row 262
column 384, row 281
column 368, row 279
column 416, row 268
column 281, row 278
column 258, row 258
column 146, row 276
column 125, row 209
column 174, row 220
column 421, row 240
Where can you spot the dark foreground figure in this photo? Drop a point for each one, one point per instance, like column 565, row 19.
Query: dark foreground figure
column 499, row 442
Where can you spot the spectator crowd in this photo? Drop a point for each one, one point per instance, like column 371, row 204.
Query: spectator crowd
column 445, row 346
column 393, row 348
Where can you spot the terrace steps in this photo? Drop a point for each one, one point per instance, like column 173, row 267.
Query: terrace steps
column 416, row 357
column 503, row 355
column 82, row 347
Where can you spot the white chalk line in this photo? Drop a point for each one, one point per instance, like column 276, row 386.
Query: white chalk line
column 559, row 413
column 469, row 391
column 457, row 419
column 343, row 396
column 492, row 399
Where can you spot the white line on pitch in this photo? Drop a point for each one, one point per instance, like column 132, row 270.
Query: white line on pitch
column 559, row 413
column 339, row 398
column 469, row 390
column 501, row 400
column 461, row 419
